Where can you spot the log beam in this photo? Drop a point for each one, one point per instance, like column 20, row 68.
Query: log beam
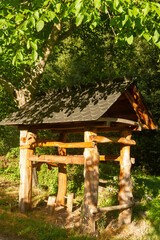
column 52, row 143
column 25, row 189
column 125, row 195
column 62, row 175
column 91, row 181
column 69, row 159
column 101, row 139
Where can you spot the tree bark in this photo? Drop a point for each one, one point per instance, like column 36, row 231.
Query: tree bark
column 125, row 195
column 25, row 190
column 91, row 181
column 62, row 175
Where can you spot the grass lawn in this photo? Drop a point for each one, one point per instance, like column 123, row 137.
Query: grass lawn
column 37, row 225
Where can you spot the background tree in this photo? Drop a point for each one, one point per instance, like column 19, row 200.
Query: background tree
column 30, row 31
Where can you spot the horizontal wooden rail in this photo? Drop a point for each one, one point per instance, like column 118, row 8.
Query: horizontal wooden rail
column 122, row 140
column 69, row 159
column 104, row 158
column 77, row 159
column 113, row 208
column 59, row 144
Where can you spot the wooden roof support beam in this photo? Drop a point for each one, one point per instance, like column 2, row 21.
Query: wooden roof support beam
column 101, row 139
column 143, row 115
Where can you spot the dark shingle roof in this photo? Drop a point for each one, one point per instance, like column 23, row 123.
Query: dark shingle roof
column 69, row 105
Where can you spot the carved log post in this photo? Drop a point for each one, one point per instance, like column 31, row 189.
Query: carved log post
column 25, row 189
column 125, row 195
column 62, row 176
column 91, row 181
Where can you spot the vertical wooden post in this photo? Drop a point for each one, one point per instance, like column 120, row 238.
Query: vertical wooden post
column 62, row 176
column 91, row 181
column 125, row 195
column 70, row 202
column 25, row 189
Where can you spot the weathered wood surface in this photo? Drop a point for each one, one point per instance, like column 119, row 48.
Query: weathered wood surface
column 25, row 189
column 91, row 181
column 51, row 204
column 101, row 139
column 143, row 115
column 51, row 143
column 62, row 175
column 113, row 208
column 69, row 159
column 125, row 195
column 70, row 202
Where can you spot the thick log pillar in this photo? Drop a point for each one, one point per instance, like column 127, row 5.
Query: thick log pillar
column 62, row 175
column 125, row 195
column 91, row 181
column 25, row 189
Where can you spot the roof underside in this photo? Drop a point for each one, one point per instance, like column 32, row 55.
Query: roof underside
column 81, row 104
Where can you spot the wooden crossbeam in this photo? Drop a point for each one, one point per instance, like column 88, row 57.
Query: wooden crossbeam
column 113, row 208
column 51, row 143
column 101, row 139
column 69, row 159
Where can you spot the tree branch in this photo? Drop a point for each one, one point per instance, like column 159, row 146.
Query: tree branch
column 9, row 87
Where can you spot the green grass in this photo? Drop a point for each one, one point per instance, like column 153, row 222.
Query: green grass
column 146, row 190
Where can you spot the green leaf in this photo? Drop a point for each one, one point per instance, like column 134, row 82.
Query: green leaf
column 1, row 50
column 51, row 15
column 19, row 18
column 32, row 20
column 97, row 3
column 156, row 36
column 28, row 44
column 129, row 39
column 33, row 45
column 20, row 56
column 14, row 59
column 147, row 36
column 115, row 4
column 78, row 5
column 135, row 11
column 125, row 20
column 146, row 10
column 36, row 14
column 79, row 19
column 158, row 44
column 58, row 7
column 39, row 25
column 34, row 55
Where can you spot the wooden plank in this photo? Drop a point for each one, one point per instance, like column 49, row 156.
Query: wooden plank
column 125, row 195
column 91, row 181
column 62, row 175
column 44, row 143
column 101, row 139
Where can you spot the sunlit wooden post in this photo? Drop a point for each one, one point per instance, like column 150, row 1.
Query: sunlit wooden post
column 25, row 189
column 125, row 195
column 91, row 181
column 62, row 175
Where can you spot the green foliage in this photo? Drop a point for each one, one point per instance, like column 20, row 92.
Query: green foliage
column 48, row 179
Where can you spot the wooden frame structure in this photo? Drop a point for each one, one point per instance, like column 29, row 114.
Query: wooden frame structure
column 119, row 112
